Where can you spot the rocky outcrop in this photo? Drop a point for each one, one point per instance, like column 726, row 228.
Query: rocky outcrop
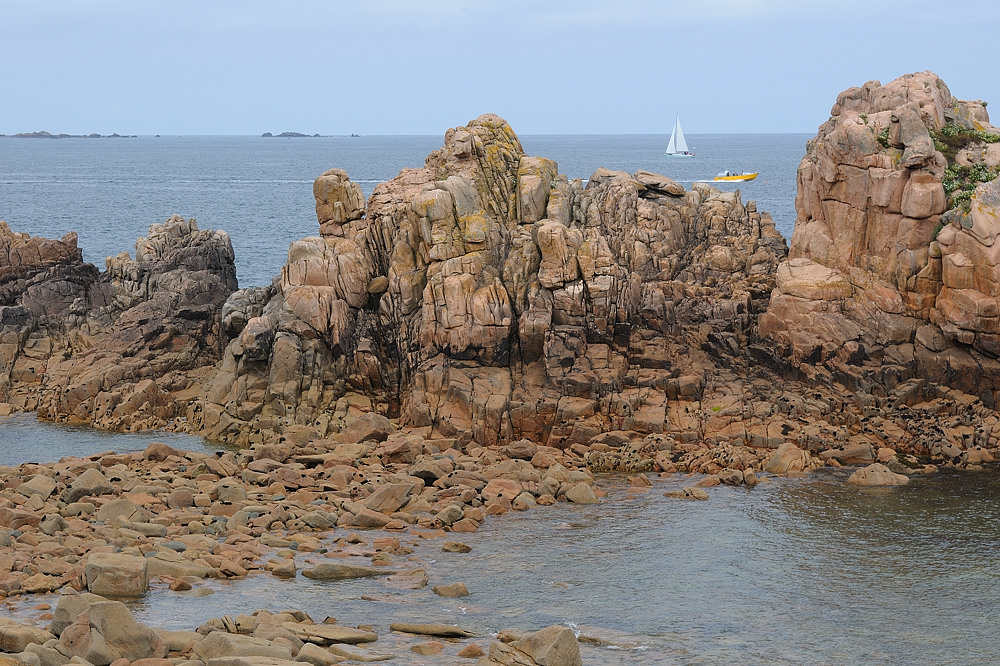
column 487, row 298
column 486, row 302
column 119, row 349
column 890, row 272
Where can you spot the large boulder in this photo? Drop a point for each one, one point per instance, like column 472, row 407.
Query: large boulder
column 877, row 474
column 222, row 644
column 88, row 484
column 117, row 575
column 106, row 632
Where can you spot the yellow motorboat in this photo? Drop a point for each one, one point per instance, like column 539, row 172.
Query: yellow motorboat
column 732, row 175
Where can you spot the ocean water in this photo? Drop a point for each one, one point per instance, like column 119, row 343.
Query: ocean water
column 795, row 571
column 25, row 439
column 109, row 191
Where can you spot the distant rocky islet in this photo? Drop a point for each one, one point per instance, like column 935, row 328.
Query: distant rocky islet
column 288, row 135
column 49, row 135
column 485, row 335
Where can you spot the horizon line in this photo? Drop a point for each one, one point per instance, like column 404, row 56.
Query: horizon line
column 68, row 135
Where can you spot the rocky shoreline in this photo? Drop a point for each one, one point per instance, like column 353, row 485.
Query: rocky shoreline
column 484, row 335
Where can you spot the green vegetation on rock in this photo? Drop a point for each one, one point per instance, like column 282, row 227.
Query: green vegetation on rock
column 959, row 181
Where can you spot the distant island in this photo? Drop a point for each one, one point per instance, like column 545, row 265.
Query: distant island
column 50, row 135
column 293, row 135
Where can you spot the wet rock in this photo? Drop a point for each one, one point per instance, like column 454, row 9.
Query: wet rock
column 451, row 590
column 356, row 654
column 581, row 493
column 877, row 474
column 337, row 571
column 471, row 651
column 440, row 630
column 327, row 634
column 551, row 646
column 456, row 547
column 428, row 648
column 410, row 580
column 688, row 493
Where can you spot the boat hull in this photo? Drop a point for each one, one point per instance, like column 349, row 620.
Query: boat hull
column 680, row 154
column 745, row 176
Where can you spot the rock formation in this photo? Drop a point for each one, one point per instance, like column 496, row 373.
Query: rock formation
column 487, row 302
column 116, row 349
column 487, row 298
column 890, row 272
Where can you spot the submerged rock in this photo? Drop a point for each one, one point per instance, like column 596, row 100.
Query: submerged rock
column 877, row 474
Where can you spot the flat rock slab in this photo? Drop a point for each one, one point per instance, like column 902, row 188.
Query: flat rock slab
column 355, row 654
column 335, row 571
column 252, row 661
column 327, row 634
column 442, row 630
column 223, row 645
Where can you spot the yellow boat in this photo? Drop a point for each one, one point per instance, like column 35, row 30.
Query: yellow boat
column 732, row 175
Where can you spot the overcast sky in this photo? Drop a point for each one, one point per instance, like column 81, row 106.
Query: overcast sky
column 412, row 67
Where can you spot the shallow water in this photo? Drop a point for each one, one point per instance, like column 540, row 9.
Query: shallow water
column 23, row 438
column 794, row 571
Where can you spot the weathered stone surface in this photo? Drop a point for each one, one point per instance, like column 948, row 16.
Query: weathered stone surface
column 451, row 590
column 15, row 637
column 336, row 571
column 507, row 286
column 129, row 327
column 116, row 575
column 789, row 458
column 220, row 644
column 876, row 254
column 877, row 474
column 107, row 631
column 441, row 630
column 327, row 634
column 552, row 646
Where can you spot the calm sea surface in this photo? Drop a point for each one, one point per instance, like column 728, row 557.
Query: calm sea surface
column 808, row 571
column 260, row 189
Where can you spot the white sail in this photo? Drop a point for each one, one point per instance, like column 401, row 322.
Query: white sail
column 682, row 146
column 678, row 146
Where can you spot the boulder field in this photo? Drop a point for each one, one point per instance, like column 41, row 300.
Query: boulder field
column 484, row 335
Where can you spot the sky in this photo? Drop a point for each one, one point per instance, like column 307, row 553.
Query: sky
column 420, row 67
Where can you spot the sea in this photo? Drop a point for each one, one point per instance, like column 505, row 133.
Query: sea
column 259, row 190
column 795, row 571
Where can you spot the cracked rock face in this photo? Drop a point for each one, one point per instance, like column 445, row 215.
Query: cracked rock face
column 486, row 297
column 882, row 257
column 112, row 349
column 486, row 303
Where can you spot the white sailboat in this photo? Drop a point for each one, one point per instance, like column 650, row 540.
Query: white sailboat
column 678, row 146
